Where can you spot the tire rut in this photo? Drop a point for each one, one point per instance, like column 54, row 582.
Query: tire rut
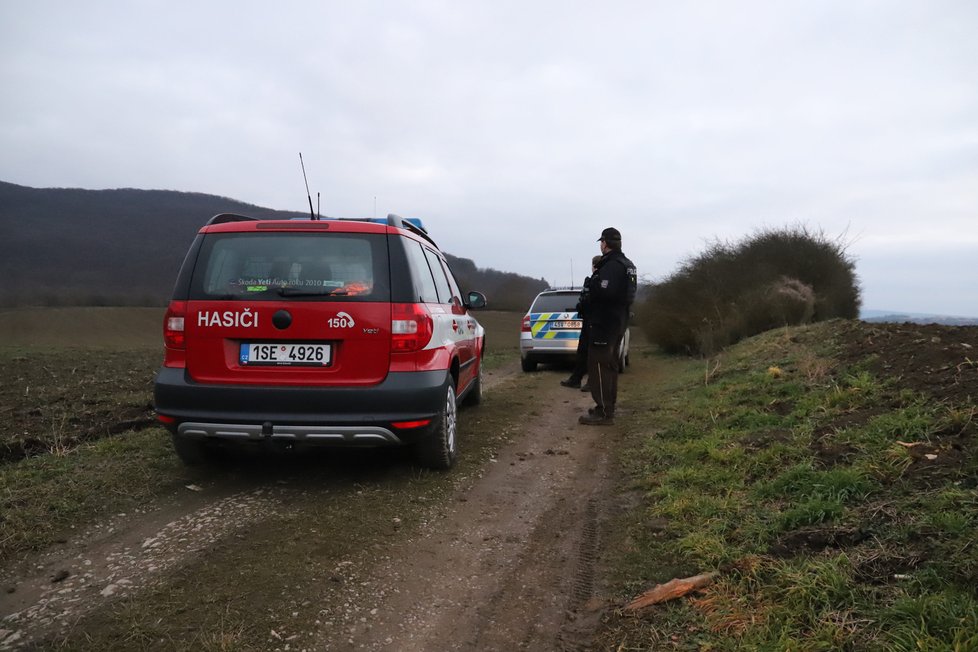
column 512, row 566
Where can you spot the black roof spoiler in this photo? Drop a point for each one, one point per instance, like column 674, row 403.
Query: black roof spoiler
column 224, row 218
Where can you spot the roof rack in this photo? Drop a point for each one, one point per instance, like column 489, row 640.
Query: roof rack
column 412, row 224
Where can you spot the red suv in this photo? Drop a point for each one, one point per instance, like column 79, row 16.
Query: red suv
column 328, row 331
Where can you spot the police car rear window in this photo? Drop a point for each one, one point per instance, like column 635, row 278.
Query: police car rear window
column 292, row 267
column 563, row 302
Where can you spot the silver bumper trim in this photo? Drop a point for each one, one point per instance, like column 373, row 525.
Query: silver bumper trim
column 359, row 435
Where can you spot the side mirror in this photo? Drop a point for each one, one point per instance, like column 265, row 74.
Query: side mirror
column 475, row 300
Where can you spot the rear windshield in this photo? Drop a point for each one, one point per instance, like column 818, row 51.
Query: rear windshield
column 564, row 302
column 292, row 266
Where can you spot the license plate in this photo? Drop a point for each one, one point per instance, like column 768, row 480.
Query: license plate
column 297, row 354
column 573, row 323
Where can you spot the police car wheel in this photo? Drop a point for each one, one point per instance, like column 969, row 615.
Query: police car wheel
column 528, row 364
column 437, row 448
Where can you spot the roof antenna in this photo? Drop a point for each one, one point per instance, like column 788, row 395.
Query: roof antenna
column 308, row 194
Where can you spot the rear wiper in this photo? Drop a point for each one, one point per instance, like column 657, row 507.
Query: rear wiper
column 311, row 292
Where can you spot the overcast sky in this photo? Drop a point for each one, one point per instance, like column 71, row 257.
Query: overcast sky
column 518, row 130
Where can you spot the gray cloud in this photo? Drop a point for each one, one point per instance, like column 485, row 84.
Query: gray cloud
column 519, row 130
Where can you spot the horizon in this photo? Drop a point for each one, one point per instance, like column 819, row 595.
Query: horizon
column 864, row 312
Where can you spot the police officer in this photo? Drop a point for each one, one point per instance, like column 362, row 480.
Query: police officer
column 612, row 291
column 583, row 307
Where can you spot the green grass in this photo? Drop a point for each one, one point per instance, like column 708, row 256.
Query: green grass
column 780, row 468
column 45, row 497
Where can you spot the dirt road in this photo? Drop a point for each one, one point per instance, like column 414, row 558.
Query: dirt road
column 506, row 562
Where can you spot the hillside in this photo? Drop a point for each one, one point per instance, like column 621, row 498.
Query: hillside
column 67, row 246
column 904, row 318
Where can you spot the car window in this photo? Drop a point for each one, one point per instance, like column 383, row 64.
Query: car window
column 425, row 282
column 441, row 280
column 456, row 292
column 348, row 267
column 562, row 302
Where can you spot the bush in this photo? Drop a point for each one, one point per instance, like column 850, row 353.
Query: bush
column 774, row 278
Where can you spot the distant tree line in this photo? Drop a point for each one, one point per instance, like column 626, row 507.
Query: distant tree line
column 505, row 290
column 74, row 247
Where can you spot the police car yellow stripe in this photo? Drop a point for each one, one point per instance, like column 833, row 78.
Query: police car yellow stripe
column 540, row 323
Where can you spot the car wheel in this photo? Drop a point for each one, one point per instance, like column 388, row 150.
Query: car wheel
column 192, row 452
column 437, row 449
column 474, row 397
column 528, row 364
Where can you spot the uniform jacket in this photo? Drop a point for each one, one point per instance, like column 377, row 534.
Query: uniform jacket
column 612, row 291
column 584, row 298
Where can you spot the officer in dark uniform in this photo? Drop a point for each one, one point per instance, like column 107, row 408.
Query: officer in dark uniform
column 612, row 291
column 583, row 307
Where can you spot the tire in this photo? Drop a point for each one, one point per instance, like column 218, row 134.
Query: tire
column 474, row 397
column 528, row 364
column 438, row 448
column 192, row 452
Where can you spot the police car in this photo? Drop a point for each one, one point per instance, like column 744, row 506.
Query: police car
column 551, row 329
column 318, row 332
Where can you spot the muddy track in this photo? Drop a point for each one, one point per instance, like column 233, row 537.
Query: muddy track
column 512, row 566
column 508, row 564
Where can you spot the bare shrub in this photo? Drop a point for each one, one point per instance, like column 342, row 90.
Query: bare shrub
column 774, row 278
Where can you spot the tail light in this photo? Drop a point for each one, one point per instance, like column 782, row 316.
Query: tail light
column 526, row 324
column 174, row 336
column 411, row 327
column 173, row 323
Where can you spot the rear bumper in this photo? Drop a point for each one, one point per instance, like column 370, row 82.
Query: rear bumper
column 541, row 348
column 313, row 415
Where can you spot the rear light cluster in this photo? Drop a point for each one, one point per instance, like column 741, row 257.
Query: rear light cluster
column 526, row 324
column 411, row 327
column 174, row 335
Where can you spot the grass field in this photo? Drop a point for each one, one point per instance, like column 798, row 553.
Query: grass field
column 832, row 488
column 73, row 380
column 827, row 475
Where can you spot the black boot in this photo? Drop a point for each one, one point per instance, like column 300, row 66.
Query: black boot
column 571, row 382
column 597, row 417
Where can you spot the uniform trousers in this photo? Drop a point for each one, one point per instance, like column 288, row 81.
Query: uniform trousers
column 602, row 373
